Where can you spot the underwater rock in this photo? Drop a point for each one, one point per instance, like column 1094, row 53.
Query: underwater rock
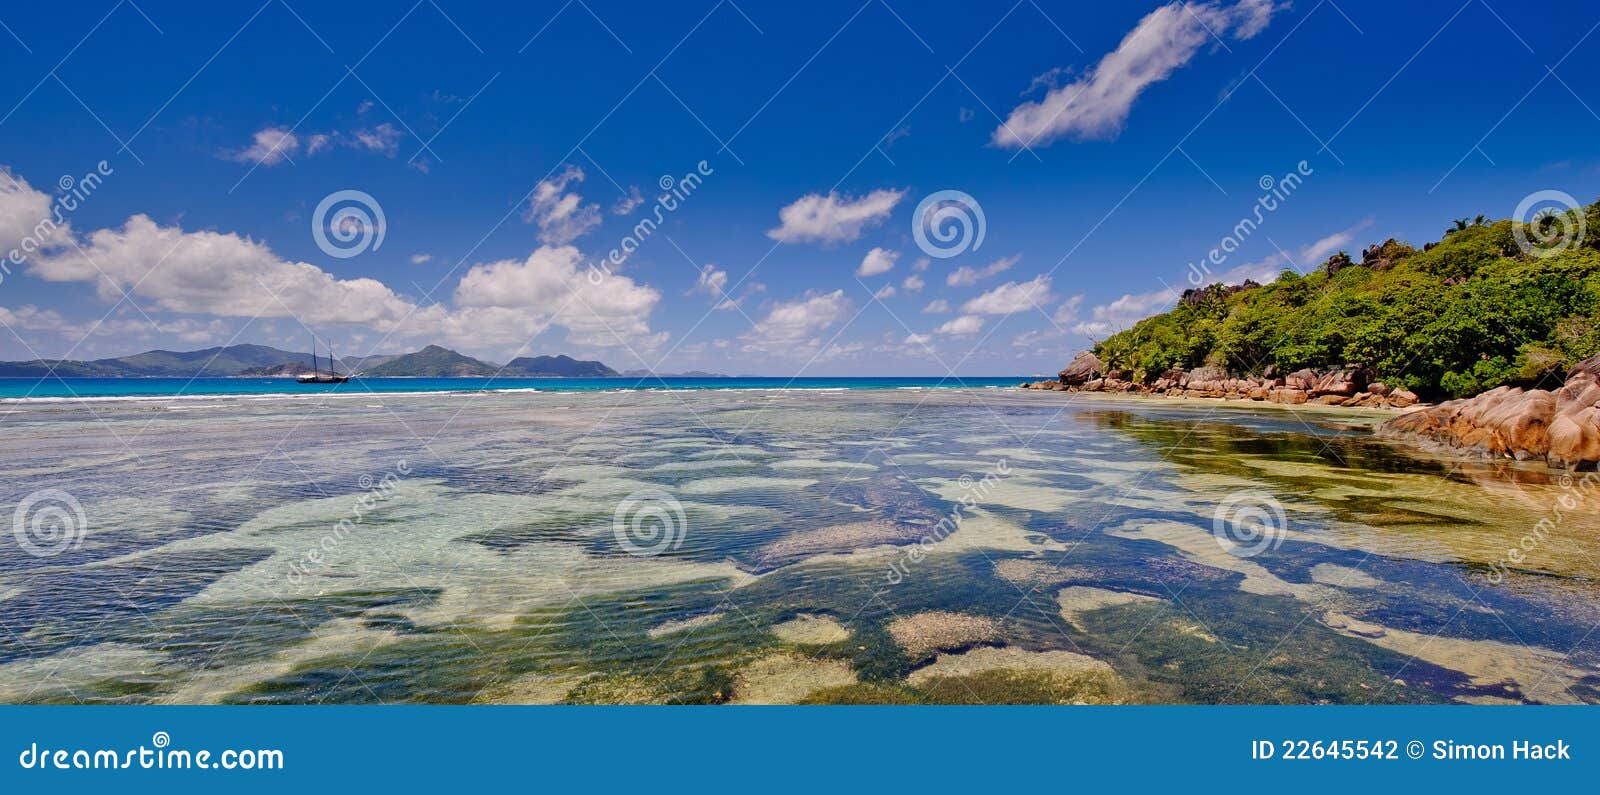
column 924, row 633
column 1081, row 599
column 786, row 678
column 808, row 629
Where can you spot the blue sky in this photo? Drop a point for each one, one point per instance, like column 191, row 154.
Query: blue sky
column 511, row 147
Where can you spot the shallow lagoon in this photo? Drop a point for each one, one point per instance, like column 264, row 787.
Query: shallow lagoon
column 466, row 548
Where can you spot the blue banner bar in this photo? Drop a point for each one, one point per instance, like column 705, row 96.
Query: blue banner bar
column 1049, row 749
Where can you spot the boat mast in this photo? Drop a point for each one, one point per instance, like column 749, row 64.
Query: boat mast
column 314, row 370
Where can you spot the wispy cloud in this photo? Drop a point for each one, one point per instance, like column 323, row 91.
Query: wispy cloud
column 1097, row 104
column 833, row 218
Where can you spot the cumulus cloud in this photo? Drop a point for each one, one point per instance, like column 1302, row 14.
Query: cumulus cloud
column 420, row 259
column 1097, row 104
column 963, row 326
column 886, row 291
column 32, row 318
column 913, row 283
column 1011, row 297
column 269, row 147
column 878, row 260
column 224, row 275
column 1125, row 311
column 937, row 307
column 966, row 276
column 791, row 327
column 550, row 287
column 561, row 216
column 833, row 218
column 27, row 219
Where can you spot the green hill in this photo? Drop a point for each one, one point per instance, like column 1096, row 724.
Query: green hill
column 561, row 366
column 210, row 362
column 431, row 362
column 1463, row 315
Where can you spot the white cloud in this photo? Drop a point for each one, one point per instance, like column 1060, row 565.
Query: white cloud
column 562, row 217
column 1315, row 253
column 225, row 275
column 937, row 307
column 420, row 259
column 27, row 221
column 913, row 283
column 32, row 318
column 1011, row 297
column 273, row 145
column 1067, row 313
column 270, row 147
column 383, row 139
column 1125, row 311
column 966, row 276
column 919, row 339
column 963, row 326
column 551, row 288
column 628, row 203
column 878, row 260
column 921, row 264
column 216, row 273
column 833, row 218
column 790, row 328
column 714, row 282
column 886, row 291
column 1096, row 106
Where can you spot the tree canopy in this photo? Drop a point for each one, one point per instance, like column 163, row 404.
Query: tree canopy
column 1469, row 313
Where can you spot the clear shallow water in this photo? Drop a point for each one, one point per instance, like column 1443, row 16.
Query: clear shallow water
column 56, row 389
column 465, row 548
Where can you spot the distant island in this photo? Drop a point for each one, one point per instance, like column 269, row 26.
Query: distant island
column 262, row 361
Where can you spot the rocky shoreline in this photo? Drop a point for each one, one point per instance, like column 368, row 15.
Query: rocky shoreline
column 1560, row 427
column 1348, row 386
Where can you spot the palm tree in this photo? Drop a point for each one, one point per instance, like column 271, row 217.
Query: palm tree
column 1461, row 223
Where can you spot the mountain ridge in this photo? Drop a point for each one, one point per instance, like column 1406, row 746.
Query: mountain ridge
column 250, row 360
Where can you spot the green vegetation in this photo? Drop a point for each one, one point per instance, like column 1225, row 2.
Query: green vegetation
column 432, row 362
column 1469, row 313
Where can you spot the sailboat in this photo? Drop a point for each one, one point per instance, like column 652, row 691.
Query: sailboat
column 316, row 376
